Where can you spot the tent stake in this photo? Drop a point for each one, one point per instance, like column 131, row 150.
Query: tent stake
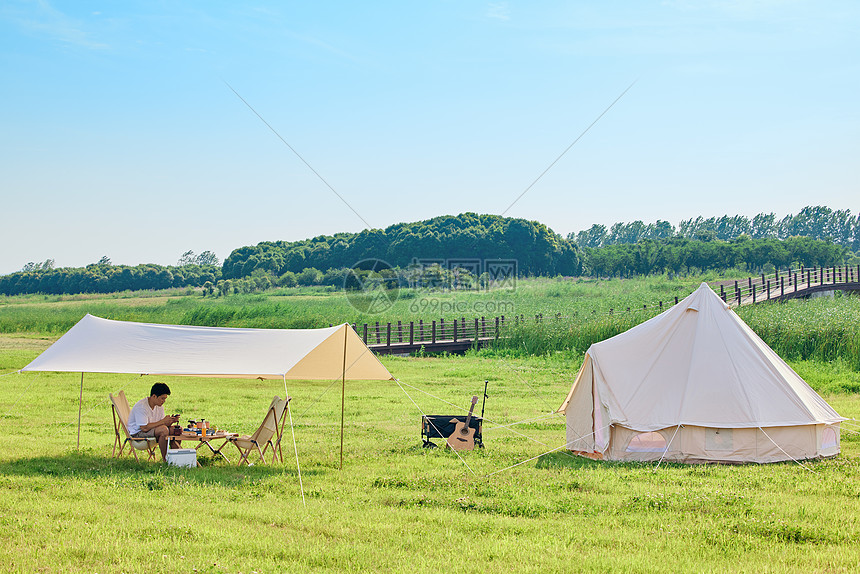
column 342, row 396
column 80, row 402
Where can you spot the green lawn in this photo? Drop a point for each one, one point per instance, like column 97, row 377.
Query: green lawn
column 396, row 507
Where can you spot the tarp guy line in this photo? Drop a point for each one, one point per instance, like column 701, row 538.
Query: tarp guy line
column 22, row 395
column 295, row 448
column 540, row 418
column 464, row 410
column 434, row 426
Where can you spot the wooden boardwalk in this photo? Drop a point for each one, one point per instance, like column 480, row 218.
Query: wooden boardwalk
column 791, row 284
column 457, row 336
column 460, row 335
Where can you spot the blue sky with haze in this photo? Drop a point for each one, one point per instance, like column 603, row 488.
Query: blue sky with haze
column 121, row 137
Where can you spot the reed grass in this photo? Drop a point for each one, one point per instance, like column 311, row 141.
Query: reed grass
column 823, row 329
column 574, row 313
column 556, row 335
column 572, row 299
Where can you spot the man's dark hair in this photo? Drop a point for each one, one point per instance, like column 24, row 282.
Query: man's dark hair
column 159, row 389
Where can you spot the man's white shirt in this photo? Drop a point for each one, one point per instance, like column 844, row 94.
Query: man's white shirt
column 142, row 414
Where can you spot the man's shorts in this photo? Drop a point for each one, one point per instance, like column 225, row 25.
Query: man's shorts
column 145, row 434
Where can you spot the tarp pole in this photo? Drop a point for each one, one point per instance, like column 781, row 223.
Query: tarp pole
column 80, row 403
column 342, row 396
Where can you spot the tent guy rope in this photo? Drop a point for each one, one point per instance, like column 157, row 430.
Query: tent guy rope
column 567, row 444
column 295, row 447
column 434, row 426
column 458, row 407
column 668, row 446
column 526, row 421
column 22, row 395
column 785, row 453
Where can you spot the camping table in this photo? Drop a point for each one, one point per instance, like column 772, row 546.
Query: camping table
column 206, row 440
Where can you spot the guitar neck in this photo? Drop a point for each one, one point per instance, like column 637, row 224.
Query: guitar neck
column 471, row 409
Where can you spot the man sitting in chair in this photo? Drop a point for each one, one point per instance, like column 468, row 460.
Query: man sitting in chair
column 147, row 419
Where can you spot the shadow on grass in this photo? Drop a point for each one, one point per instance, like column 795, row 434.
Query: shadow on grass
column 566, row 460
column 83, row 465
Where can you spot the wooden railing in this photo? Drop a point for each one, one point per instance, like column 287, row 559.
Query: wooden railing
column 455, row 335
column 459, row 335
column 791, row 283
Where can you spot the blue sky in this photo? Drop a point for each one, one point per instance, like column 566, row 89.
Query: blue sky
column 121, row 137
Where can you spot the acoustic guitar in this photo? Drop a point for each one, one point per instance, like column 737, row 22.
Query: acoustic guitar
column 463, row 437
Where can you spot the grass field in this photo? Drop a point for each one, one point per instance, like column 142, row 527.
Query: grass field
column 396, row 507
column 517, row 506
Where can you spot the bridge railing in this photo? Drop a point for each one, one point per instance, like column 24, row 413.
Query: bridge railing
column 464, row 329
column 431, row 332
column 786, row 282
column 476, row 330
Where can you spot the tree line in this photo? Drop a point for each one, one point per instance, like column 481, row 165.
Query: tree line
column 452, row 251
column 469, row 236
column 816, row 222
column 107, row 278
column 681, row 255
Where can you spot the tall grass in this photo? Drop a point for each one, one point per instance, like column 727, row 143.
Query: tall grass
column 825, row 329
column 822, row 329
column 572, row 299
column 575, row 313
column 557, row 335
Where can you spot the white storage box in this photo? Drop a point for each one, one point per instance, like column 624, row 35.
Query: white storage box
column 182, row 457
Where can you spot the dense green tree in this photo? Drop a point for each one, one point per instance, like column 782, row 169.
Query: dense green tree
column 287, row 279
column 207, row 258
column 594, row 236
column 469, row 236
column 309, row 276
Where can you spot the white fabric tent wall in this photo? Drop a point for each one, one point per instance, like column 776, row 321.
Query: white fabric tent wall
column 96, row 345
column 684, row 375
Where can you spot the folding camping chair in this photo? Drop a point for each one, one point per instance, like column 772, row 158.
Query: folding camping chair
column 121, row 412
column 271, row 427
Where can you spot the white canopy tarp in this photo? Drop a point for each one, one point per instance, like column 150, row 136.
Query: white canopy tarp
column 96, row 345
column 695, row 365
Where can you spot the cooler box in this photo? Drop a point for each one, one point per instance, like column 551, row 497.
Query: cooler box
column 182, row 457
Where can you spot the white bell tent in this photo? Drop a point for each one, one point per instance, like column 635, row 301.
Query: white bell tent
column 695, row 384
